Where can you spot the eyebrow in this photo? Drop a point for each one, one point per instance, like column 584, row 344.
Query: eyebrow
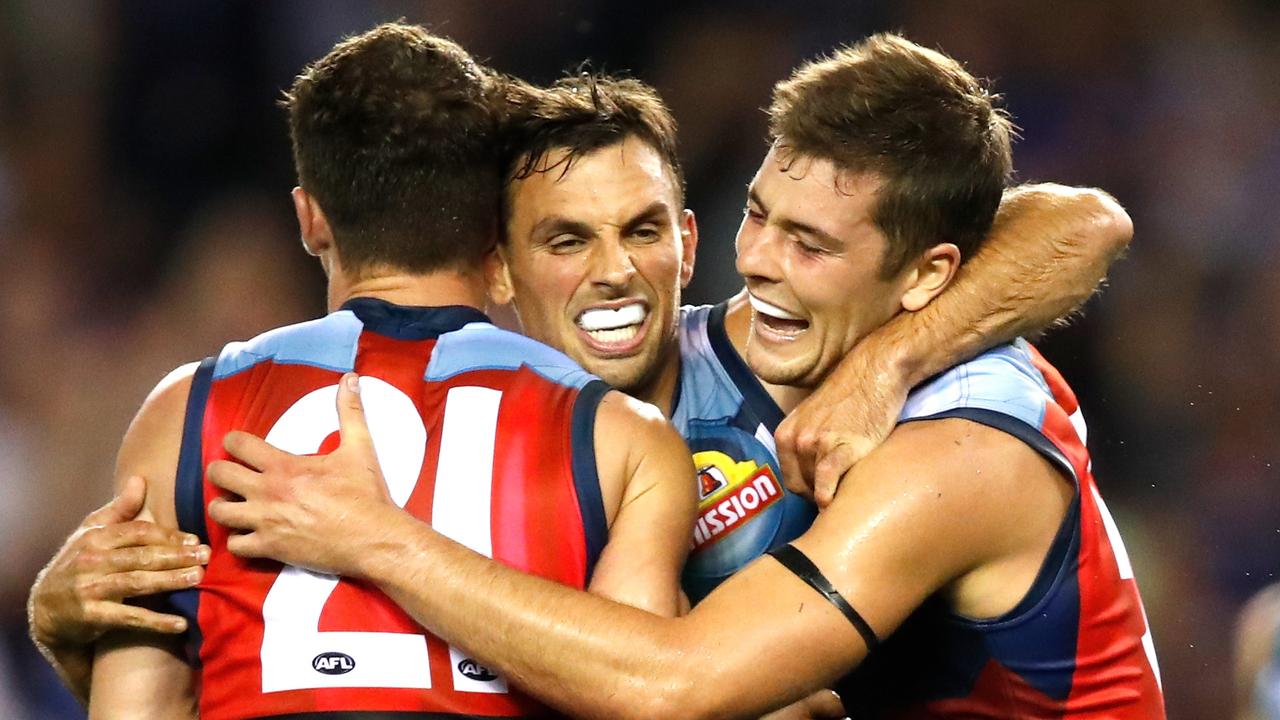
column 552, row 225
column 655, row 212
column 791, row 225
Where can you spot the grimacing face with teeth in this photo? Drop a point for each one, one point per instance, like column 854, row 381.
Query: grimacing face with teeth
column 811, row 256
column 594, row 260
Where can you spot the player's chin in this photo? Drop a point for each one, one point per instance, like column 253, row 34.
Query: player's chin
column 625, row 373
column 780, row 368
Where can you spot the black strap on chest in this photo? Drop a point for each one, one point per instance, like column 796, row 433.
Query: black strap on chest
column 798, row 563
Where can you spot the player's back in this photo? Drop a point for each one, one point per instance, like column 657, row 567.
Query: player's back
column 1077, row 645
column 485, row 434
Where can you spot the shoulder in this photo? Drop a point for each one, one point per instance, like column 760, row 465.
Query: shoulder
column 641, row 420
column 640, row 431
column 1004, row 379
column 326, row 343
column 481, row 346
column 152, row 442
column 963, row 489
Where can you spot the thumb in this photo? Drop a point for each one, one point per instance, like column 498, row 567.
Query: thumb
column 353, row 428
column 124, row 507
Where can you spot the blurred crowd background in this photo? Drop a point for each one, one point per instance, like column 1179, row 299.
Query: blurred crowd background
column 145, row 220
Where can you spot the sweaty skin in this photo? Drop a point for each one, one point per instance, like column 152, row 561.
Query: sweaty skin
column 1049, row 249
column 596, row 659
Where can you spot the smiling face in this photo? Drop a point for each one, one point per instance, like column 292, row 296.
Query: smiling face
column 811, row 257
column 595, row 258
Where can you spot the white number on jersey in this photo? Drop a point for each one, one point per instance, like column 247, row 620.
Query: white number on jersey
column 295, row 654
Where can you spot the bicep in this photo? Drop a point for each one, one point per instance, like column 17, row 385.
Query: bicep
column 140, row 676
column 649, row 538
column 152, row 442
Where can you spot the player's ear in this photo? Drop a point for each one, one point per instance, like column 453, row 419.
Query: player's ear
column 688, row 246
column 498, row 275
column 930, row 275
column 317, row 236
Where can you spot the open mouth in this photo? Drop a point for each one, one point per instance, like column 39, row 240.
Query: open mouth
column 779, row 322
column 614, row 329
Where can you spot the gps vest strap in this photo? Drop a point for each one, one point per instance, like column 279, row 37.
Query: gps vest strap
column 798, row 563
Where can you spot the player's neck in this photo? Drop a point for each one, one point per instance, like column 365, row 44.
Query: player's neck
column 737, row 324
column 660, row 390
column 444, row 287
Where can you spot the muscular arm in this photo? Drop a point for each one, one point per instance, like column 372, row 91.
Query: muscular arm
column 1048, row 250
column 143, row 675
column 649, row 537
column 596, row 658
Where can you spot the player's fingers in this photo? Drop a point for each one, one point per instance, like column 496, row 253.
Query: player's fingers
column 136, row 533
column 157, row 557
column 124, row 506
column 829, row 471
column 234, row 477
column 825, row 704
column 246, row 545
column 252, row 450
column 233, row 514
column 789, row 463
column 112, row 615
column 135, row 583
column 352, row 426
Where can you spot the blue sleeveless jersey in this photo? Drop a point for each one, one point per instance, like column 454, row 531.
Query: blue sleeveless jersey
column 728, row 419
column 1078, row 644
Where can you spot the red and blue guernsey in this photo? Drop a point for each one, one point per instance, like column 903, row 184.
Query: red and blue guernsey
column 1077, row 645
column 483, row 433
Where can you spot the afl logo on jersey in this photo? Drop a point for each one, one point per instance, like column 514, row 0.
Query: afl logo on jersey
column 333, row 663
column 475, row 670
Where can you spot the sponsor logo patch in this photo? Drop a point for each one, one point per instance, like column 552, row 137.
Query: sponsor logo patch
column 730, row 494
column 475, row 670
column 333, row 663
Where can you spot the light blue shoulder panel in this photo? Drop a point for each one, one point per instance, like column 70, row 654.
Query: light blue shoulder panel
column 1001, row 380
column 481, row 346
column 329, row 343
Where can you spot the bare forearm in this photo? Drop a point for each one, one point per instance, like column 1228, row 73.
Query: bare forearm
column 1049, row 249
column 579, row 653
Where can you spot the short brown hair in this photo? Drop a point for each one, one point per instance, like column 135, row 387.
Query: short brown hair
column 919, row 120
column 395, row 136
column 583, row 113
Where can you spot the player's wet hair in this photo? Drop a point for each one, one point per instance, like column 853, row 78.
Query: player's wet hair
column 395, row 135
column 916, row 118
column 582, row 113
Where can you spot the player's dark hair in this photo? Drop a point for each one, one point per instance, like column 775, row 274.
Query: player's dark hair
column 916, row 118
column 582, row 113
column 395, row 135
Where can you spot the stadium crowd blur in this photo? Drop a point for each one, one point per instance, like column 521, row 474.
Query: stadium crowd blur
column 145, row 220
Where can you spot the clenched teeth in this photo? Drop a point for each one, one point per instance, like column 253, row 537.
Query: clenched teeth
column 606, row 319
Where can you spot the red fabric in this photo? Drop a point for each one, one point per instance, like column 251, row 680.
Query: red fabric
column 537, row 527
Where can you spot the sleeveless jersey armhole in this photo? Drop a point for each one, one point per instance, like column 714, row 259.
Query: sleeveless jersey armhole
column 586, row 479
column 188, row 499
column 188, row 489
column 1012, row 426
